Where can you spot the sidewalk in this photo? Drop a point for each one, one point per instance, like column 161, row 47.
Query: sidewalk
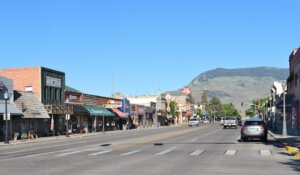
column 291, row 143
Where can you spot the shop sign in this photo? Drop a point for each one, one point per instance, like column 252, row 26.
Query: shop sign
column 72, row 97
column 53, row 82
column 8, row 116
column 141, row 109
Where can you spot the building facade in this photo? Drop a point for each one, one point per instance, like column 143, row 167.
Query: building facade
column 48, row 86
column 293, row 84
column 6, row 89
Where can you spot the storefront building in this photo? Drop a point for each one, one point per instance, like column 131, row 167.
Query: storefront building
column 7, row 100
column 49, row 87
column 138, row 114
column 294, row 91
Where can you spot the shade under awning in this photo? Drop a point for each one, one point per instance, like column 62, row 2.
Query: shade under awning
column 11, row 108
column 288, row 102
column 119, row 113
column 98, row 111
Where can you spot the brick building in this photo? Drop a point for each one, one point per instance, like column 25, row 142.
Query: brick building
column 48, row 86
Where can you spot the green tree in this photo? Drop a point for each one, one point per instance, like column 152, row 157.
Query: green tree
column 199, row 112
column 230, row 110
column 173, row 106
column 215, row 108
column 204, row 100
column 191, row 98
column 257, row 107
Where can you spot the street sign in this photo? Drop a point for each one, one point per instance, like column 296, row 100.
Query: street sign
column 67, row 116
column 8, row 116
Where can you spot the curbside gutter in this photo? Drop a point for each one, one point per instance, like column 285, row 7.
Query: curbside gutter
column 292, row 150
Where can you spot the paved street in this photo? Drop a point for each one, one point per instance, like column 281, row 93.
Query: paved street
column 207, row 149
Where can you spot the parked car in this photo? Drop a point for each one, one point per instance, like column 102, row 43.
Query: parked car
column 194, row 122
column 254, row 128
column 230, row 122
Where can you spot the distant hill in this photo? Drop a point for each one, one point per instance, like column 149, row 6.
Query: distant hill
column 236, row 86
column 276, row 73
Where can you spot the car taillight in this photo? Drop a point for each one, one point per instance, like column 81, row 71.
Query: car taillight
column 244, row 127
column 264, row 127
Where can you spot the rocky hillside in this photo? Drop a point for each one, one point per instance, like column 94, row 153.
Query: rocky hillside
column 237, row 85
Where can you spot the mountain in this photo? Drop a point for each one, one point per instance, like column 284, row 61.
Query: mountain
column 237, row 86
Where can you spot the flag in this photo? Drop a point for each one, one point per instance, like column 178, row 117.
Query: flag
column 52, row 124
column 95, row 123
column 295, row 114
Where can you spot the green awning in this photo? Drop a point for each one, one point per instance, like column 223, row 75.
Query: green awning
column 99, row 111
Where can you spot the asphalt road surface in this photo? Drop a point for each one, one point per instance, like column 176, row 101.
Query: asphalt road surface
column 207, row 149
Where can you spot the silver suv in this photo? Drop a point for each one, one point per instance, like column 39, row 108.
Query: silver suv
column 254, row 128
column 194, row 122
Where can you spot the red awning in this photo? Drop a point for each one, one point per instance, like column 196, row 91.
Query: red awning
column 119, row 113
column 189, row 113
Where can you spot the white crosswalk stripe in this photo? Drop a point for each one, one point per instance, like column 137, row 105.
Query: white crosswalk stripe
column 131, row 153
column 164, row 152
column 230, row 153
column 196, row 153
column 69, row 153
column 265, row 153
column 99, row 153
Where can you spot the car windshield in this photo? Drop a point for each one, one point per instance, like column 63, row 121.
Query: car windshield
column 230, row 118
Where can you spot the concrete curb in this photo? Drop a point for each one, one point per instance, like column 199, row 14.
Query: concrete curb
column 294, row 151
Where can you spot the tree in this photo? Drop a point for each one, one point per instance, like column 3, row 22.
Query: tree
column 230, row 110
column 173, row 106
column 204, row 100
column 191, row 98
column 215, row 107
column 199, row 112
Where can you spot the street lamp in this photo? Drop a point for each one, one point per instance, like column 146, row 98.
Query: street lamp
column 284, row 130
column 6, row 97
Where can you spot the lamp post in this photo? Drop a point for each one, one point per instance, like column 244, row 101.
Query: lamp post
column 284, row 130
column 6, row 97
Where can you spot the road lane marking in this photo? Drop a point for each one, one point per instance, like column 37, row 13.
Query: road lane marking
column 265, row 153
column 69, row 153
column 196, row 153
column 230, row 153
column 164, row 152
column 131, row 153
column 99, row 153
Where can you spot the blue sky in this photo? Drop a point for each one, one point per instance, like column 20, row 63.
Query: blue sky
column 143, row 46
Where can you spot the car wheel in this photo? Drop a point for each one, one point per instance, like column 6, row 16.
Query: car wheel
column 244, row 139
column 224, row 127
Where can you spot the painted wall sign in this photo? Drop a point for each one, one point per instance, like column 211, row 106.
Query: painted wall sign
column 53, row 82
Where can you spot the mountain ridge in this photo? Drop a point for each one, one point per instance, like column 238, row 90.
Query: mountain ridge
column 277, row 73
column 237, row 86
